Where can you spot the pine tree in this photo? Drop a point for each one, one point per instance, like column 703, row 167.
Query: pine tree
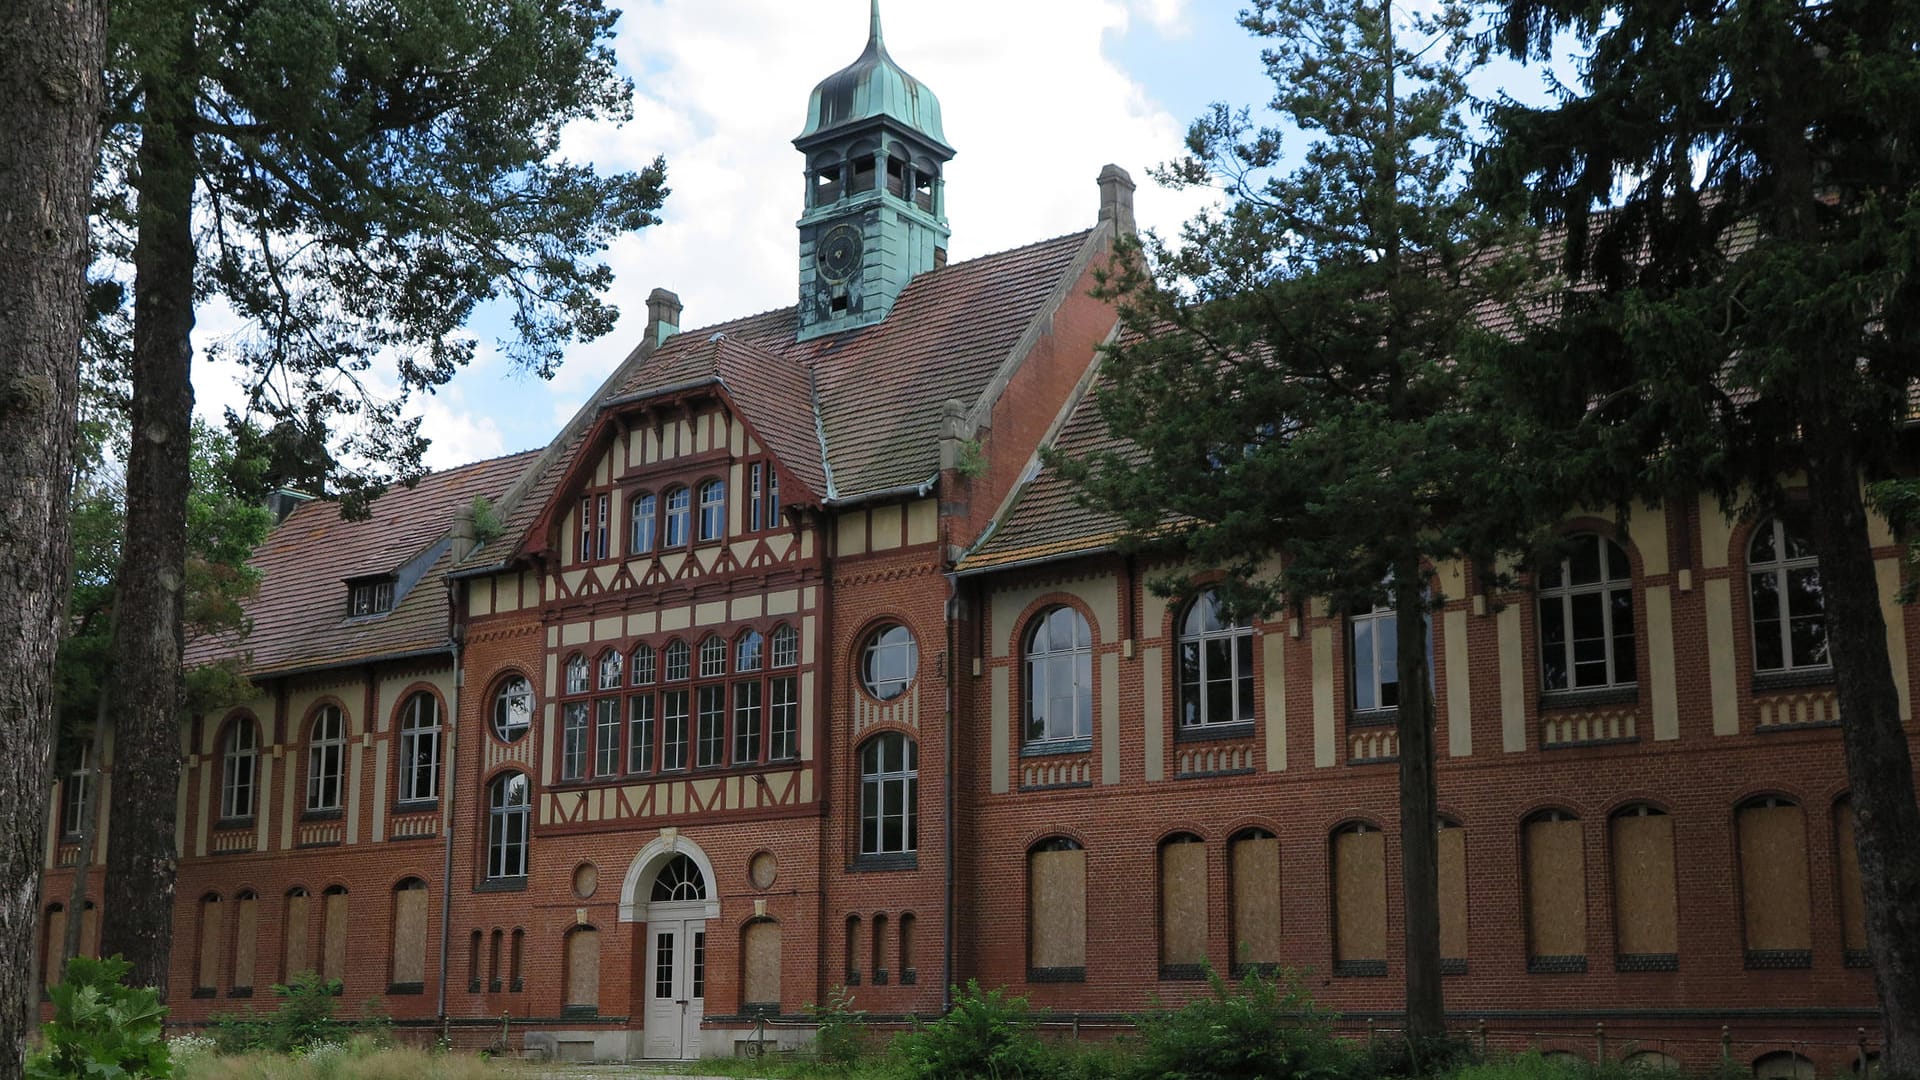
column 1739, row 188
column 1296, row 377
column 353, row 179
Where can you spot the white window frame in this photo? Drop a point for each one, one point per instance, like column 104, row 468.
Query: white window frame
column 239, row 769
column 713, row 510
column 878, row 779
column 512, row 709
column 679, row 510
column 1203, row 625
column 885, row 652
column 1556, row 603
column 326, row 758
column 508, row 826
column 1780, row 568
column 1041, row 666
column 641, row 523
column 420, row 748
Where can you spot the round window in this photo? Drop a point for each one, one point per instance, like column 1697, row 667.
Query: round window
column 888, row 660
column 513, row 709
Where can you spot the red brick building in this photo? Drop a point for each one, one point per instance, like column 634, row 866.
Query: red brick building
column 786, row 666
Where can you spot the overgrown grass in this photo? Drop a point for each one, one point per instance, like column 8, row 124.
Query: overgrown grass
column 359, row 1058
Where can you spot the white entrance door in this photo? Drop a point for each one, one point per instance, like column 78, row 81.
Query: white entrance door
column 676, row 979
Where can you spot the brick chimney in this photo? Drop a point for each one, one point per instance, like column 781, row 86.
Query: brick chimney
column 663, row 315
column 1116, row 198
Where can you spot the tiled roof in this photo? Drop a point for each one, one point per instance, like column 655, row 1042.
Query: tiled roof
column 874, row 394
column 300, row 615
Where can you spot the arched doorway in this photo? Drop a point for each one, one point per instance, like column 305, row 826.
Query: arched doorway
column 668, row 889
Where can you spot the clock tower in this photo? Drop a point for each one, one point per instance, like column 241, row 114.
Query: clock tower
column 876, row 203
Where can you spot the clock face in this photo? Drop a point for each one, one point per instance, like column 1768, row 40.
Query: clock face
column 839, row 253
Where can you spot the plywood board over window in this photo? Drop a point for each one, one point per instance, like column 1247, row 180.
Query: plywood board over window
column 51, row 957
column 1359, row 901
column 1254, row 858
column 1057, row 911
column 583, row 968
column 1773, row 883
column 213, row 926
column 760, row 960
column 296, row 935
column 1453, row 892
column 1853, row 905
column 1183, row 907
column 246, row 934
column 333, row 934
column 410, row 935
column 1556, row 894
column 1646, row 926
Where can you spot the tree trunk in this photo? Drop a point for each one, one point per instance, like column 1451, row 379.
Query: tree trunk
column 50, row 101
column 1419, row 811
column 148, row 687
column 1879, row 768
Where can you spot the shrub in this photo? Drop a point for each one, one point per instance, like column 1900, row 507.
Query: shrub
column 102, row 1027
column 1260, row 1027
column 1395, row 1055
column 986, row 1035
column 304, row 1018
column 841, row 1037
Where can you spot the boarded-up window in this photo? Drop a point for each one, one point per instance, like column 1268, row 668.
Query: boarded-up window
column 1057, row 912
column 853, row 950
column 90, row 930
column 583, row 969
column 333, row 933
column 908, row 975
column 760, row 960
column 409, row 936
column 1773, row 883
column 213, row 928
column 1646, row 928
column 1359, row 901
column 1253, row 858
column 246, row 932
column 296, row 934
column 1183, row 907
column 52, row 957
column 1853, row 904
column 880, row 946
column 1453, row 896
column 1556, row 894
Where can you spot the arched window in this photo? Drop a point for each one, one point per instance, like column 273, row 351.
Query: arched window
column 1057, row 911
column 494, row 942
column 334, row 931
column 643, row 665
column 1556, row 891
column 1216, row 666
column 679, row 503
column 409, row 951
column 880, row 949
column 1359, row 900
column 713, row 510
column 420, row 748
column 1059, row 670
column 239, row 762
column 641, row 524
column 578, row 674
column 749, row 652
column 1586, row 617
column 515, row 962
column 679, row 879
column 760, row 967
column 610, row 670
column 295, row 932
column 53, row 936
column 1645, row 920
column 713, row 657
column 679, row 661
column 1789, row 608
column 786, row 646
column 1253, row 862
column 326, row 756
column 509, row 810
column 853, row 951
column 889, row 795
column 1376, row 659
column 213, row 929
column 888, row 661
column 908, row 973
column 583, row 973
column 1453, row 897
column 1774, row 893
column 1853, row 905
column 246, row 934
column 73, row 800
column 473, row 963
column 1183, row 907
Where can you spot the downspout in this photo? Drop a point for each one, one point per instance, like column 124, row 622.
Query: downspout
column 452, row 756
column 953, row 676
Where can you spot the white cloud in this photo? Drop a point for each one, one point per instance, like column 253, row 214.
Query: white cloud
column 1169, row 17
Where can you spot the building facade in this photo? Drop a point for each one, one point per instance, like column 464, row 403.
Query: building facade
column 787, row 666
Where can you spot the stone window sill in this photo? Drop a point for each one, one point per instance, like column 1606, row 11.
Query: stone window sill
column 1556, row 965
column 1373, row 717
column 334, row 814
column 1587, row 699
column 1057, row 746
column 1765, row 681
column 496, row 885
column 1240, row 729
column 1368, row 969
column 900, row 860
column 1056, row 974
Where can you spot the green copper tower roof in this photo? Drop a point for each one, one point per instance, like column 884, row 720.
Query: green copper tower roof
column 872, row 87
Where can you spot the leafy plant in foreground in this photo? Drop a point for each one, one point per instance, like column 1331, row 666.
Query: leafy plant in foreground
column 1264, row 1027
column 985, row 1035
column 102, row 1028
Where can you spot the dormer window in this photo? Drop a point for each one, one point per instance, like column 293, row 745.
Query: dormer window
column 369, row 596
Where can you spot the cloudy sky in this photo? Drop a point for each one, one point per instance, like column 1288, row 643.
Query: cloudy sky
column 1037, row 96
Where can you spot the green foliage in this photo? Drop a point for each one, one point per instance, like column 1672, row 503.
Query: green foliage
column 986, row 1035
column 973, row 460
column 1260, row 1028
column 841, row 1035
column 1398, row 1055
column 102, row 1029
column 486, row 520
column 304, row 1018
